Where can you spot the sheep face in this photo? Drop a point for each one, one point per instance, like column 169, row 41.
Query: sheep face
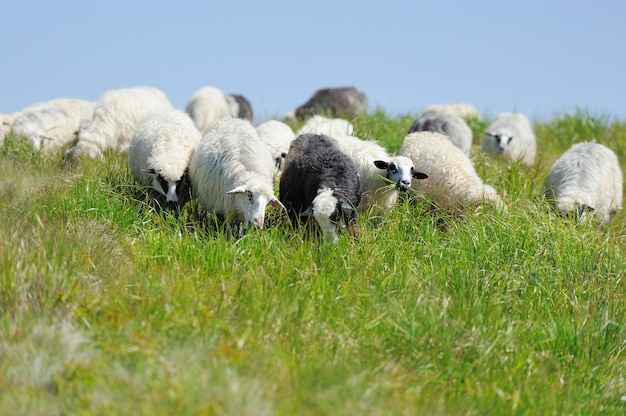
column 330, row 212
column 501, row 140
column 176, row 191
column 250, row 203
column 400, row 170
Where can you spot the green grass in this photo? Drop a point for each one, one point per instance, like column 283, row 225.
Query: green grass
column 107, row 307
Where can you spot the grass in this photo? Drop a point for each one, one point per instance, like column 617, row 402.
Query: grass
column 108, row 307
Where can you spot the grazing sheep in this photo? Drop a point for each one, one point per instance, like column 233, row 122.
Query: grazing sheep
column 453, row 126
column 277, row 136
column 587, row 181
column 159, row 155
column 511, row 136
column 452, row 180
column 327, row 126
column 464, row 111
column 319, row 179
column 207, row 104
column 335, row 102
column 115, row 117
column 376, row 169
column 239, row 107
column 232, row 172
column 50, row 124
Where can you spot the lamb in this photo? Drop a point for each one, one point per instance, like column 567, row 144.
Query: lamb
column 586, row 181
column 462, row 110
column 277, row 136
column 207, row 104
column 319, row 179
column 115, row 117
column 232, row 173
column 451, row 125
column 327, row 126
column 376, row 170
column 159, row 155
column 334, row 102
column 239, row 107
column 511, row 136
column 452, row 183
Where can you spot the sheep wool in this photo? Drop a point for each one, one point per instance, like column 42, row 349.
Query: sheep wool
column 319, row 179
column 159, row 155
column 327, row 126
column 462, row 110
column 336, row 102
column 453, row 126
column 381, row 176
column 452, row 180
column 586, row 181
column 206, row 105
column 277, row 136
column 511, row 136
column 232, row 173
column 115, row 117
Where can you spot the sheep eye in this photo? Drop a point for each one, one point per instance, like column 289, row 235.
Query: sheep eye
column 393, row 168
column 249, row 194
column 509, row 141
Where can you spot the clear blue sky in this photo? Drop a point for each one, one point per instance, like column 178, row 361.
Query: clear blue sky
column 540, row 57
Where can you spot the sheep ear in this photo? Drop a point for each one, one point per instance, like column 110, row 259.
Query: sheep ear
column 418, row 175
column 308, row 211
column 238, row 190
column 149, row 171
column 346, row 206
column 381, row 164
column 277, row 204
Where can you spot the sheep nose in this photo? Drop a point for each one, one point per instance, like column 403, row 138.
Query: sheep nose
column 258, row 222
column 404, row 184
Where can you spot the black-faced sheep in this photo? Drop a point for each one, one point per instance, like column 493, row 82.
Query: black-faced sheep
column 452, row 180
column 453, row 126
column 586, row 181
column 232, row 173
column 115, row 117
column 511, row 136
column 334, row 102
column 319, row 179
column 159, row 155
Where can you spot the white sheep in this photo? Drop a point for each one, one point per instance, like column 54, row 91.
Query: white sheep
column 452, row 180
column 462, row 110
column 57, row 117
column 207, row 104
column 115, row 117
column 327, row 126
column 376, row 170
column 232, row 172
column 453, row 126
column 159, row 155
column 511, row 136
column 587, row 181
column 277, row 136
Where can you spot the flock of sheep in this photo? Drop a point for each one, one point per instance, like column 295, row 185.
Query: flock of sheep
column 214, row 152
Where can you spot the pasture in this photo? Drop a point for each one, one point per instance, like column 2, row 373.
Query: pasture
column 109, row 307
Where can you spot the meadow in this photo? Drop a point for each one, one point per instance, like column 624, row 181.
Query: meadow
column 110, row 307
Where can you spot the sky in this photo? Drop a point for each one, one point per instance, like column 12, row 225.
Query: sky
column 540, row 57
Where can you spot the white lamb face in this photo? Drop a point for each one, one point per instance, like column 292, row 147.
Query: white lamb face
column 251, row 204
column 400, row 170
column 324, row 207
column 501, row 139
column 167, row 188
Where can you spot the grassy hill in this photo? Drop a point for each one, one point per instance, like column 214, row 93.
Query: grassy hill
column 107, row 307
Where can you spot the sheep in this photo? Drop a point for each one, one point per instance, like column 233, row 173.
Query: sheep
column 277, row 136
column 116, row 115
column 452, row 183
column 232, row 173
column 462, row 110
column 327, row 126
column 46, row 120
column 586, row 181
column 159, row 155
column 335, row 102
column 239, row 107
column 453, row 126
column 511, row 136
column 376, row 169
column 207, row 104
column 319, row 179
